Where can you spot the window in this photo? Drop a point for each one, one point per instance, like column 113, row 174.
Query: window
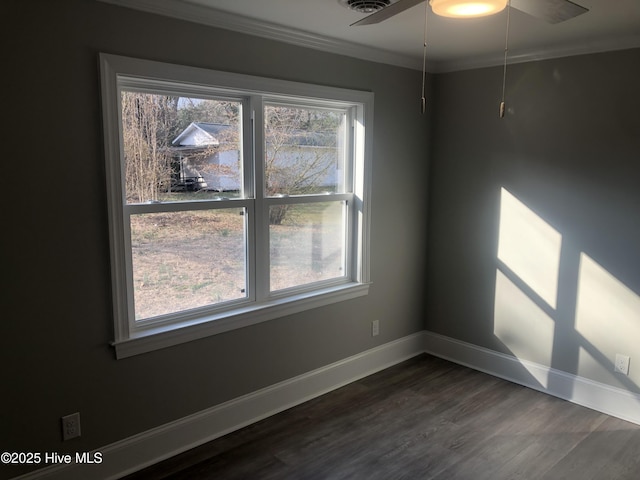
column 232, row 199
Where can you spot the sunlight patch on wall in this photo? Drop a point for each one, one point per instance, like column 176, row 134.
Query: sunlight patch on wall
column 522, row 326
column 607, row 315
column 530, row 247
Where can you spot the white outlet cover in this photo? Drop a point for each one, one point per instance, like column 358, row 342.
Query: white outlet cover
column 622, row 364
column 71, row 426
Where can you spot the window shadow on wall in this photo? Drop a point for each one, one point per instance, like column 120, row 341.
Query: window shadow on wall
column 556, row 306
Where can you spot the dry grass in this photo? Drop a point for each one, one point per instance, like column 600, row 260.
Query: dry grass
column 192, row 259
column 187, row 260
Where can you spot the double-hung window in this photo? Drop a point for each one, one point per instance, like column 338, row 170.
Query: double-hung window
column 232, row 199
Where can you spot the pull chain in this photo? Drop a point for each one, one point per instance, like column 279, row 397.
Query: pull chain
column 506, row 51
column 423, row 105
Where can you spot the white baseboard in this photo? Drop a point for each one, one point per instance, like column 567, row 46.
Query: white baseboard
column 152, row 446
column 582, row 391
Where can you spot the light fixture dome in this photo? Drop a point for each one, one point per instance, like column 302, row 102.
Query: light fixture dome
column 467, row 8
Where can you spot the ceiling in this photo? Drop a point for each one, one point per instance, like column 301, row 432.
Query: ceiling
column 452, row 44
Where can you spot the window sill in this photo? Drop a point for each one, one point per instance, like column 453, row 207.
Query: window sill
column 168, row 335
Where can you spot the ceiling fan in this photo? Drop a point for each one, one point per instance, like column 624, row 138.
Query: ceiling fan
column 551, row 11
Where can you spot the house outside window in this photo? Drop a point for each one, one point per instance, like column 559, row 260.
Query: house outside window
column 232, row 199
column 204, row 159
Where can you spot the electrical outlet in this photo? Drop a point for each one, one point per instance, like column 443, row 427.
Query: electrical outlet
column 622, row 364
column 71, row 426
column 375, row 328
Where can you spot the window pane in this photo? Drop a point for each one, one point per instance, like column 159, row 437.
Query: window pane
column 308, row 245
column 184, row 260
column 179, row 148
column 304, row 150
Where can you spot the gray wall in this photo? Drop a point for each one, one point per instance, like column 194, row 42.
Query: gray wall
column 56, row 281
column 569, row 151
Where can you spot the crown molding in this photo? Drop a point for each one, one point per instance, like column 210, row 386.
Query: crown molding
column 534, row 55
column 228, row 21
column 216, row 18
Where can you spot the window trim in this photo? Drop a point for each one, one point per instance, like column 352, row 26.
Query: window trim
column 115, row 72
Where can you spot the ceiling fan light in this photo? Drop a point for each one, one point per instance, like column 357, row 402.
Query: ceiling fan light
column 467, row 8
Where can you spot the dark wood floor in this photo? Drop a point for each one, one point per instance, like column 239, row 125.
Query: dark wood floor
column 423, row 419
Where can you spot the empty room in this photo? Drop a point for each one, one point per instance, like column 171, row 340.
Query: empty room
column 321, row 239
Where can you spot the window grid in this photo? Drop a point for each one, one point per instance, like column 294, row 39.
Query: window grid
column 260, row 302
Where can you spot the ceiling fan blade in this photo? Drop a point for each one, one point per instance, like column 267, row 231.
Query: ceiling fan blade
column 552, row 11
column 388, row 12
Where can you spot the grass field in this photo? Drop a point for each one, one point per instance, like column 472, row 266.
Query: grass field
column 186, row 260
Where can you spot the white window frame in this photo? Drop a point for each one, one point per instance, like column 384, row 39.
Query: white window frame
column 131, row 337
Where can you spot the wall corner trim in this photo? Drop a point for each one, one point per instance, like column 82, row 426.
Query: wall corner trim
column 573, row 388
column 147, row 448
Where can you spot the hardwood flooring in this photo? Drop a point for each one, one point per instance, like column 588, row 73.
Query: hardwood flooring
column 425, row 418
